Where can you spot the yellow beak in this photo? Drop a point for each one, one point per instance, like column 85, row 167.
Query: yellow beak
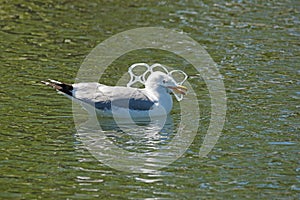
column 179, row 89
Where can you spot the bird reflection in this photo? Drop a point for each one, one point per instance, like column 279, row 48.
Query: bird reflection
column 135, row 134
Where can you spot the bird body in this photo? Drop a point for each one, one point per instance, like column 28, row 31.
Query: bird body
column 153, row 100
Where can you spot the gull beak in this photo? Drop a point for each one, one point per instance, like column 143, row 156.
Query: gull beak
column 179, row 89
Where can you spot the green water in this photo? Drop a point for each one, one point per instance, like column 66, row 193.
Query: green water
column 255, row 44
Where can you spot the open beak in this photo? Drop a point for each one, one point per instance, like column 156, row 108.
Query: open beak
column 179, row 89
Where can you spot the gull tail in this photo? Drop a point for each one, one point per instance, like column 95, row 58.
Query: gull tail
column 62, row 87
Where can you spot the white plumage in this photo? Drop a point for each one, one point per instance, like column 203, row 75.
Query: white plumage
column 153, row 100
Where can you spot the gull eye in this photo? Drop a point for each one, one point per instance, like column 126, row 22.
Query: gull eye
column 164, row 81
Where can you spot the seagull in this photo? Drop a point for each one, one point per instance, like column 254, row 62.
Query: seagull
column 154, row 100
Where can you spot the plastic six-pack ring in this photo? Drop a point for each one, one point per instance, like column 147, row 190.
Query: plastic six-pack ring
column 142, row 78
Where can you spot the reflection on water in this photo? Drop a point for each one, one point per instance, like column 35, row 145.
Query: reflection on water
column 140, row 135
column 139, row 144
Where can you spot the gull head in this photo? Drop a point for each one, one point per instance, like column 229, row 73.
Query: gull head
column 161, row 80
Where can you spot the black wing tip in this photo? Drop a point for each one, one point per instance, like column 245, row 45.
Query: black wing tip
column 62, row 87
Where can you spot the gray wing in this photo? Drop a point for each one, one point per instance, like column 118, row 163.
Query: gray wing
column 103, row 97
